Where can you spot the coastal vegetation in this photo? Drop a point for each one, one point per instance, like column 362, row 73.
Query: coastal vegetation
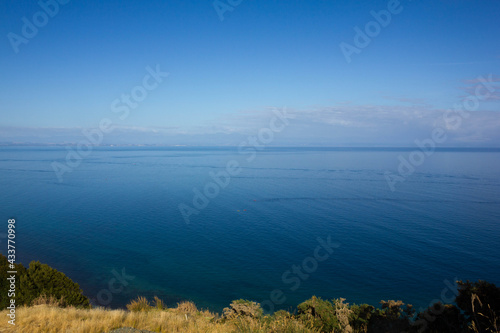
column 37, row 280
column 48, row 301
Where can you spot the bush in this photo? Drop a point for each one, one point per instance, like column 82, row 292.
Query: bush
column 318, row 314
column 343, row 313
column 360, row 317
column 243, row 308
column 282, row 314
column 40, row 279
column 393, row 317
column 43, row 279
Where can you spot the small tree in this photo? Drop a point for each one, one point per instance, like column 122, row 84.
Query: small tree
column 39, row 279
column 43, row 279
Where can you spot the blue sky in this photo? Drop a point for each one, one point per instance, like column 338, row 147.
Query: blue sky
column 226, row 75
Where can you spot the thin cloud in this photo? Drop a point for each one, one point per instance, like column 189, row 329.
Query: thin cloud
column 339, row 125
column 488, row 86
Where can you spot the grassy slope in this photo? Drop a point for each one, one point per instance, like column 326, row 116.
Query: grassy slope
column 44, row 318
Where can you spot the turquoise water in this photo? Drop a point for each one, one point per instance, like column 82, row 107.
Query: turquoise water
column 119, row 210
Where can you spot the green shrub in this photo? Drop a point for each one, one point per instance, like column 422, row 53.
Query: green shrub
column 393, row 317
column 282, row 314
column 43, row 279
column 360, row 317
column 318, row 314
column 40, row 279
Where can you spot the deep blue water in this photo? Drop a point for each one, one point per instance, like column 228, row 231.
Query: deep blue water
column 119, row 210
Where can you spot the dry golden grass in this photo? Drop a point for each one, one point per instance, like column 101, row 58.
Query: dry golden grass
column 45, row 318
column 490, row 316
column 279, row 325
column 139, row 304
column 159, row 304
column 45, row 300
column 49, row 318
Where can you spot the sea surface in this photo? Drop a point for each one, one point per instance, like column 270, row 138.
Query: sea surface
column 113, row 223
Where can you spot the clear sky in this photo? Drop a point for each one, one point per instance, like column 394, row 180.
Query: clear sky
column 65, row 67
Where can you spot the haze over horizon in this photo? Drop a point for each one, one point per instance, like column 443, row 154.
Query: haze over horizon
column 373, row 73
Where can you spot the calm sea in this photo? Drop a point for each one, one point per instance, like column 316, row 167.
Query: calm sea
column 256, row 237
